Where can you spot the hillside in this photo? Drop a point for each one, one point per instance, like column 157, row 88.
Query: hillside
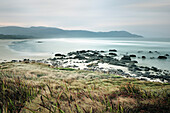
column 50, row 32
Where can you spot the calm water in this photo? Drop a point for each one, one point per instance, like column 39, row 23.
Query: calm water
column 123, row 45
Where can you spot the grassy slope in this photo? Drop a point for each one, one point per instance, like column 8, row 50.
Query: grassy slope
column 67, row 90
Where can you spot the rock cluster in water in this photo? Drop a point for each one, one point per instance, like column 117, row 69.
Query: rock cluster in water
column 91, row 59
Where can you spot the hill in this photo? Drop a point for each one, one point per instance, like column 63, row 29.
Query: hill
column 51, row 32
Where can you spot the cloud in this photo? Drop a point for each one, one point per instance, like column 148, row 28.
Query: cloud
column 86, row 14
column 149, row 5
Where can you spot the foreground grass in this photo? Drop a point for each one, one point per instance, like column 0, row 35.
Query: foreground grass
column 40, row 88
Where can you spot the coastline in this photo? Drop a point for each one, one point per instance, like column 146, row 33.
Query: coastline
column 93, row 60
column 90, row 60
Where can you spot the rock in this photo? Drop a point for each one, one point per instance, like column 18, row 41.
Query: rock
column 146, row 69
column 143, row 57
column 166, row 54
column 60, row 55
column 138, row 69
column 126, row 58
column 113, row 54
column 79, row 57
column 113, row 50
column 162, row 57
column 119, row 70
column 132, row 55
column 134, row 61
column 102, row 51
column 144, row 79
column 26, row 60
column 82, row 51
column 150, row 52
column 14, row 61
column 154, row 69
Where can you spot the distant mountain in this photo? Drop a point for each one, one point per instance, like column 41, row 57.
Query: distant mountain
column 50, row 32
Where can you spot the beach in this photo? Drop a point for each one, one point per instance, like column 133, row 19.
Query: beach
column 7, row 54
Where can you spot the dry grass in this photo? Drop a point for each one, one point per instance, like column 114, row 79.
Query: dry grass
column 77, row 91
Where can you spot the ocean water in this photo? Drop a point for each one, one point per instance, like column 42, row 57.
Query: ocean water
column 122, row 45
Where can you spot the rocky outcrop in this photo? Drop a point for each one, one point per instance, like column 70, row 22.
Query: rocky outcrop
column 162, row 57
column 114, row 54
column 132, row 55
column 59, row 55
column 113, row 50
column 126, row 58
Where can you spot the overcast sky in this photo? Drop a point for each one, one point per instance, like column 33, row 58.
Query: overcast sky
column 150, row 18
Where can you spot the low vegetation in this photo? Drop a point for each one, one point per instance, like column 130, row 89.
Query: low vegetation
column 40, row 88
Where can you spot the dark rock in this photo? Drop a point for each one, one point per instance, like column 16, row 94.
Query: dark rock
column 79, row 57
column 166, row 54
column 102, row 51
column 138, row 69
column 113, row 50
column 119, row 70
column 126, row 58
column 60, row 55
column 144, row 79
column 113, row 54
column 82, row 51
column 143, row 57
column 139, row 73
column 162, row 57
column 26, row 60
column 134, row 61
column 152, row 57
column 150, row 52
column 100, row 56
column 154, row 69
column 14, row 61
column 132, row 55
column 146, row 69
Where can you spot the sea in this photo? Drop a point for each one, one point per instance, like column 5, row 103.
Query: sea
column 124, row 46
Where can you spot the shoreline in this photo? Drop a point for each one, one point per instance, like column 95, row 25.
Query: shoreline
column 93, row 60
column 8, row 54
column 90, row 60
column 46, row 48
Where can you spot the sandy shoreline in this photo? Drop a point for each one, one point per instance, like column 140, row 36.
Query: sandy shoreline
column 6, row 54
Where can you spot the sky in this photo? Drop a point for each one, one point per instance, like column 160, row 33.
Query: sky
column 149, row 18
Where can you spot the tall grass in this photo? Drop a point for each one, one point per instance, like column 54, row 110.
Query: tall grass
column 66, row 100
column 17, row 93
column 14, row 93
